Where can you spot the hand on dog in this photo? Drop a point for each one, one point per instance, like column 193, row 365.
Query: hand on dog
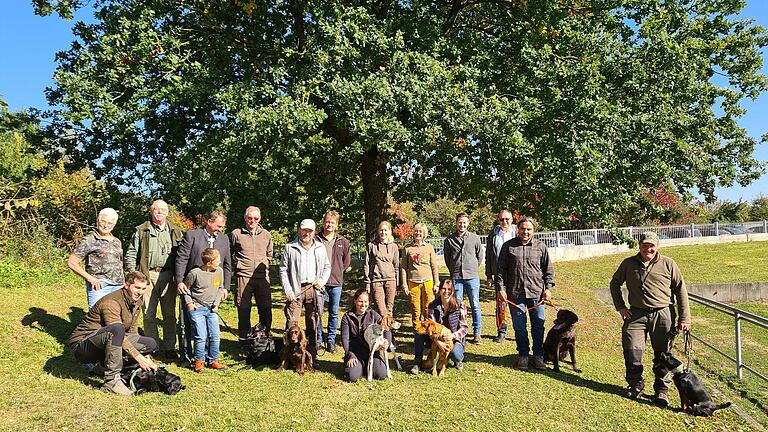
column 625, row 313
column 146, row 363
column 443, row 346
column 352, row 362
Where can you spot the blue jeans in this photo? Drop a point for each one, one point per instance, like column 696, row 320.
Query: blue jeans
column 473, row 292
column 332, row 296
column 457, row 353
column 205, row 326
column 94, row 295
column 519, row 323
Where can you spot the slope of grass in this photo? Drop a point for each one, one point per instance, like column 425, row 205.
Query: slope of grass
column 44, row 388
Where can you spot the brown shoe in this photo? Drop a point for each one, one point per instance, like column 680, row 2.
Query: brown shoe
column 217, row 364
column 538, row 362
column 661, row 399
column 477, row 339
column 522, row 362
column 199, row 366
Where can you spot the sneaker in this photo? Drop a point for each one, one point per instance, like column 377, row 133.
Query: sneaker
column 500, row 338
column 116, row 386
column 199, row 366
column 634, row 391
column 330, row 346
column 661, row 399
column 477, row 339
column 414, row 370
column 459, row 365
column 538, row 362
column 522, row 362
column 217, row 364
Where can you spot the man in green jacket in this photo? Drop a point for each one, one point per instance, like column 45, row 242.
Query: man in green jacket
column 654, row 284
column 152, row 251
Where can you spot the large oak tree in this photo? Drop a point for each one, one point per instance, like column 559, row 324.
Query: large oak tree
column 559, row 108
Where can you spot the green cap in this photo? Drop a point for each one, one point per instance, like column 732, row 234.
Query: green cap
column 649, row 237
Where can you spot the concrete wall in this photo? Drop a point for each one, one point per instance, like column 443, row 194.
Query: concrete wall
column 735, row 292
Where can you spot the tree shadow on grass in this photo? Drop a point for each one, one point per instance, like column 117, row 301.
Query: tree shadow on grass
column 64, row 365
column 572, row 378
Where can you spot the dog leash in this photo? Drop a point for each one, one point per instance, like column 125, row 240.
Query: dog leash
column 227, row 326
column 688, row 346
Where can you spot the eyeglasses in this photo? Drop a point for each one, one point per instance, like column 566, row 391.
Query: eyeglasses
column 253, row 218
column 504, row 219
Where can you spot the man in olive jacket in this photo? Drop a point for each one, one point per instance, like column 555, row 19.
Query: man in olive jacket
column 654, row 284
column 152, row 251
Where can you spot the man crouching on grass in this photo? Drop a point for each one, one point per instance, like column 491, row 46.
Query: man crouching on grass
column 111, row 328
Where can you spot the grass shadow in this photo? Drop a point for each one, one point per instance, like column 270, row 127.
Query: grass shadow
column 63, row 365
column 570, row 377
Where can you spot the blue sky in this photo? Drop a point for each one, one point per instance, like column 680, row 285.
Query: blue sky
column 30, row 42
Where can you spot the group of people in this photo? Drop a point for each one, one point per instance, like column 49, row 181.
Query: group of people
column 164, row 264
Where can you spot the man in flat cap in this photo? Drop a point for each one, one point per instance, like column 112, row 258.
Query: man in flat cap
column 654, row 284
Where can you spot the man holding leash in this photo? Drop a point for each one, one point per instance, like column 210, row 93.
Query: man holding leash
column 524, row 279
column 499, row 235
column 110, row 329
column 251, row 252
column 654, row 284
column 304, row 271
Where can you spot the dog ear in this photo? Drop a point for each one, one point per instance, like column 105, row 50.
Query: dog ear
column 419, row 327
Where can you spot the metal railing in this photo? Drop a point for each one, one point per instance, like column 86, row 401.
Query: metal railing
column 738, row 315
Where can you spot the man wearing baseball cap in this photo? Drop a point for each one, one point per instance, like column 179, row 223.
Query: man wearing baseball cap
column 654, row 284
column 304, row 271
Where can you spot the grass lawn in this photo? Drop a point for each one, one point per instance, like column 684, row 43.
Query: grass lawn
column 44, row 388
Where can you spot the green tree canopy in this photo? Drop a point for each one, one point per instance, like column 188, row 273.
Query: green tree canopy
column 557, row 108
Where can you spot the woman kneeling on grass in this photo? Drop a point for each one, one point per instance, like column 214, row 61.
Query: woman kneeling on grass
column 452, row 313
column 356, row 350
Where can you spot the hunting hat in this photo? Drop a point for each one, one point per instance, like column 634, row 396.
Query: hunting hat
column 649, row 237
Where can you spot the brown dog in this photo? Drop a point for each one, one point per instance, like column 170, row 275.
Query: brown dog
column 561, row 339
column 295, row 351
column 437, row 358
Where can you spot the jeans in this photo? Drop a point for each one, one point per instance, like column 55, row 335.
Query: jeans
column 205, row 326
column 332, row 296
column 473, row 292
column 519, row 323
column 457, row 353
column 94, row 295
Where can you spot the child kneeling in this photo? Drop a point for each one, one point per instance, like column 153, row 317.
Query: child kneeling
column 206, row 292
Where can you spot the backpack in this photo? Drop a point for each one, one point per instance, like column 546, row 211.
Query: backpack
column 260, row 348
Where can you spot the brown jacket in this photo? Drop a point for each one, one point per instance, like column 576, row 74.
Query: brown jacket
column 659, row 285
column 382, row 262
column 251, row 252
column 116, row 307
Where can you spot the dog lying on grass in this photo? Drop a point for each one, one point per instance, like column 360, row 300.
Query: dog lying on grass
column 160, row 380
column 561, row 339
column 437, row 358
column 294, row 352
column 694, row 399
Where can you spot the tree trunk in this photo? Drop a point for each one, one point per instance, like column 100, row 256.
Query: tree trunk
column 373, row 171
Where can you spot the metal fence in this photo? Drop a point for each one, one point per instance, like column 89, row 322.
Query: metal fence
column 738, row 315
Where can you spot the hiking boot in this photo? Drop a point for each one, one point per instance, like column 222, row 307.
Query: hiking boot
column 199, row 366
column 522, row 362
column 330, row 346
column 116, row 386
column 661, row 399
column 459, row 365
column 414, row 370
column 477, row 339
column 538, row 362
column 634, row 391
column 217, row 364
column 500, row 338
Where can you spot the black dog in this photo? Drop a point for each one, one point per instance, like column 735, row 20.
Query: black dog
column 693, row 397
column 141, row 381
column 561, row 339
